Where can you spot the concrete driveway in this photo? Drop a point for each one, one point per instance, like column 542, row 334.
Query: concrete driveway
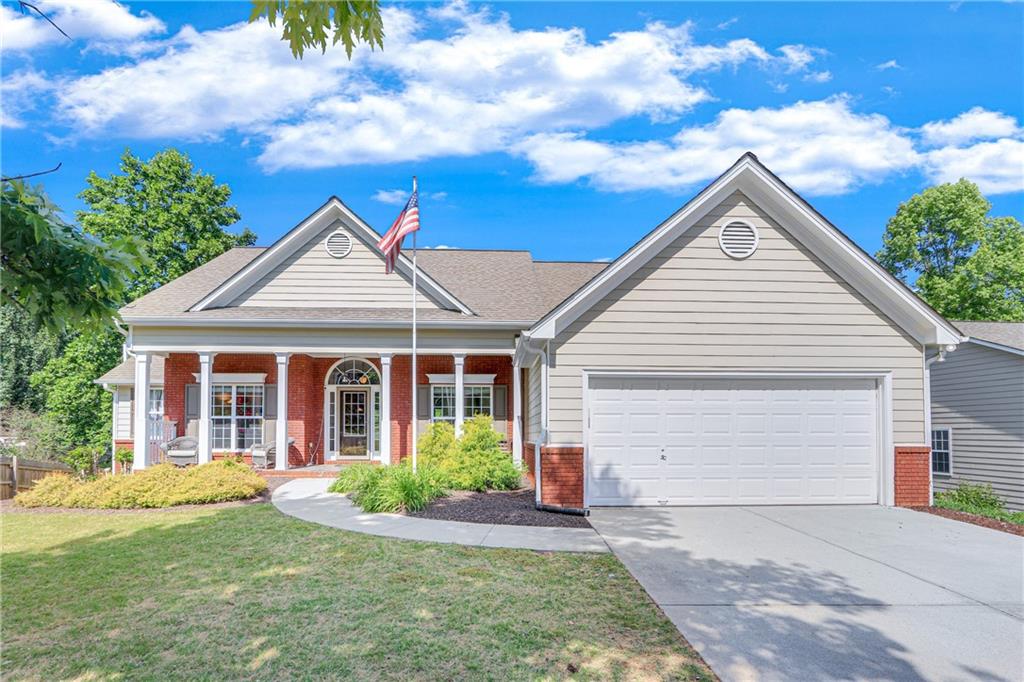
column 830, row 593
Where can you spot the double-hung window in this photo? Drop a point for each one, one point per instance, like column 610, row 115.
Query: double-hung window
column 942, row 451
column 237, row 416
column 476, row 400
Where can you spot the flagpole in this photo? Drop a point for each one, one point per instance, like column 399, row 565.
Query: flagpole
column 415, row 415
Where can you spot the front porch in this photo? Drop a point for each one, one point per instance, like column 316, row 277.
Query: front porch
column 322, row 410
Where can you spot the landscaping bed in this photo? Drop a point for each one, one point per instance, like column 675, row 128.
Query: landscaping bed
column 513, row 508
column 976, row 519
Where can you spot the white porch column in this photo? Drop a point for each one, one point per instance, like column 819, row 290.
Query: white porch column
column 281, row 443
column 460, row 394
column 205, row 405
column 517, row 416
column 141, row 409
column 385, row 409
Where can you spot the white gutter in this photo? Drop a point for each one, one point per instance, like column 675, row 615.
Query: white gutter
column 928, row 361
column 293, row 322
column 527, row 351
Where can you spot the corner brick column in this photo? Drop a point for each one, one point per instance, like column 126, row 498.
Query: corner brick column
column 913, row 475
column 561, row 476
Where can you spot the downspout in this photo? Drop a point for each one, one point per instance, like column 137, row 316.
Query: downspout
column 543, row 424
column 928, row 361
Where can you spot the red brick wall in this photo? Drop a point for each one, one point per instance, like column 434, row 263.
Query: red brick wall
column 529, row 462
column 561, row 476
column 913, row 475
column 126, row 444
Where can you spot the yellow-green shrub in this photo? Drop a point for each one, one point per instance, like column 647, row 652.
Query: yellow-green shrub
column 49, row 491
column 163, row 485
column 473, row 462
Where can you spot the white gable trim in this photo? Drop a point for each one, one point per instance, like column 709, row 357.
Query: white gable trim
column 751, row 178
column 333, row 210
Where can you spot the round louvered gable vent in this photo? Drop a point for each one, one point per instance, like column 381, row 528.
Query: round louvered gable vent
column 338, row 244
column 738, row 239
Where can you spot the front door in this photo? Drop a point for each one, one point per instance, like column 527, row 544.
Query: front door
column 353, row 424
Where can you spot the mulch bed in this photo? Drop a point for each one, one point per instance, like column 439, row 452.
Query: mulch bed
column 510, row 508
column 994, row 524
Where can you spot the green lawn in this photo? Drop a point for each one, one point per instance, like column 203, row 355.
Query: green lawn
column 246, row 592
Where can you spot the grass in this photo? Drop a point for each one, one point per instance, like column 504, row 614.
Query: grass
column 247, row 592
column 980, row 500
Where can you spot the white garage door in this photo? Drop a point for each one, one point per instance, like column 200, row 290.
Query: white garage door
column 716, row 441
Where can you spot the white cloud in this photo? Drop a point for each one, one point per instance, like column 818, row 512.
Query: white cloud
column 818, row 77
column 886, row 66
column 970, row 126
column 480, row 87
column 92, row 20
column 727, row 23
column 398, row 197
column 21, row 92
column 819, row 147
column 996, row 167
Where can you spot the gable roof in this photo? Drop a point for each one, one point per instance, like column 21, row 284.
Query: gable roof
column 125, row 372
column 838, row 251
column 1008, row 336
column 333, row 210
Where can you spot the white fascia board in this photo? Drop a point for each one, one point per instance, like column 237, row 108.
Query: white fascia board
column 469, row 323
column 996, row 346
column 750, row 177
column 474, row 379
column 333, row 210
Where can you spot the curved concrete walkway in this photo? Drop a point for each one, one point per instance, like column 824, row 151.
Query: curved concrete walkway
column 308, row 499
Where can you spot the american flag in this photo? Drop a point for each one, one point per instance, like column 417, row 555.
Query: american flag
column 407, row 222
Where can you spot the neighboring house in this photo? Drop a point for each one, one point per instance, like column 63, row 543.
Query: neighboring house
column 977, row 419
column 743, row 352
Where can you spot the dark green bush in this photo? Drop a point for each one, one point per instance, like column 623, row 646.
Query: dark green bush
column 977, row 499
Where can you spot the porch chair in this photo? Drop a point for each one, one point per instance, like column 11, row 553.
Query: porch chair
column 181, row 451
column 264, row 453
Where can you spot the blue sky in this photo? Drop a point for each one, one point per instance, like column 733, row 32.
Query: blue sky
column 570, row 129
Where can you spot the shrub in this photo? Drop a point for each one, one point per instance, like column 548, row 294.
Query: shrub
column 83, row 459
column 163, row 485
column 478, row 463
column 390, row 488
column 435, row 446
column 49, row 491
column 977, row 499
column 124, row 457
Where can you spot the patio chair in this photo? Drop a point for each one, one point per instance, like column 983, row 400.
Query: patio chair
column 264, row 454
column 181, row 451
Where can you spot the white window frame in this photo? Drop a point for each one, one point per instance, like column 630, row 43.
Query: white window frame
column 234, row 417
column 949, row 450
column 465, row 403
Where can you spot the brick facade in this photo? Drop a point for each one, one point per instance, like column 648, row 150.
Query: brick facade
column 913, row 475
column 561, row 476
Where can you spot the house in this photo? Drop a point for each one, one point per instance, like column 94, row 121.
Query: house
column 977, row 415
column 743, row 352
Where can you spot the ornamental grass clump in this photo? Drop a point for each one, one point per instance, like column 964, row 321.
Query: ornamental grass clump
column 163, row 485
column 393, row 488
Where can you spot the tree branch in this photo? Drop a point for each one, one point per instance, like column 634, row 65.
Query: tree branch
column 32, row 175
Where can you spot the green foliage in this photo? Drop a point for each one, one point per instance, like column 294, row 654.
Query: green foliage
column 80, row 407
column 84, row 459
column 389, row 488
column 54, row 272
column 964, row 263
column 124, row 457
column 180, row 213
column 475, row 461
column 25, row 347
column 977, row 499
column 31, row 435
column 163, row 485
column 307, row 24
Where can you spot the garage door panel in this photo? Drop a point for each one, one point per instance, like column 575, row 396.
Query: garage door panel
column 714, row 441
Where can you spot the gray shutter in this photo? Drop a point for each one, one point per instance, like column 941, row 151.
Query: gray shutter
column 270, row 401
column 423, row 402
column 191, row 401
column 500, row 407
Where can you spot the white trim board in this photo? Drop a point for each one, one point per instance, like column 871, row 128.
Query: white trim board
column 884, row 410
column 477, row 379
column 787, row 208
column 334, row 211
column 995, row 346
column 235, row 377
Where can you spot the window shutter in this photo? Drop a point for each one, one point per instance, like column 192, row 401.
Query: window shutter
column 423, row 402
column 191, row 401
column 500, row 407
column 270, row 401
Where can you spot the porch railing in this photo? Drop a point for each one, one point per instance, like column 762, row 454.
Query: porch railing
column 159, row 431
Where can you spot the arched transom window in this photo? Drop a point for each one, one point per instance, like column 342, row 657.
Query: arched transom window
column 353, row 372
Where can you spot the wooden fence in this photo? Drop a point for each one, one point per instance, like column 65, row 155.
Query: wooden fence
column 17, row 474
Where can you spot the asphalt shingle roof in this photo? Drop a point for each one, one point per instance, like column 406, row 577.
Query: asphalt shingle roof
column 125, row 372
column 1004, row 333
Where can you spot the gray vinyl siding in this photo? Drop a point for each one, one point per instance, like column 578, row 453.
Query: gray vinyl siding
column 978, row 392
column 123, row 413
column 312, row 278
column 533, row 402
column 694, row 308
